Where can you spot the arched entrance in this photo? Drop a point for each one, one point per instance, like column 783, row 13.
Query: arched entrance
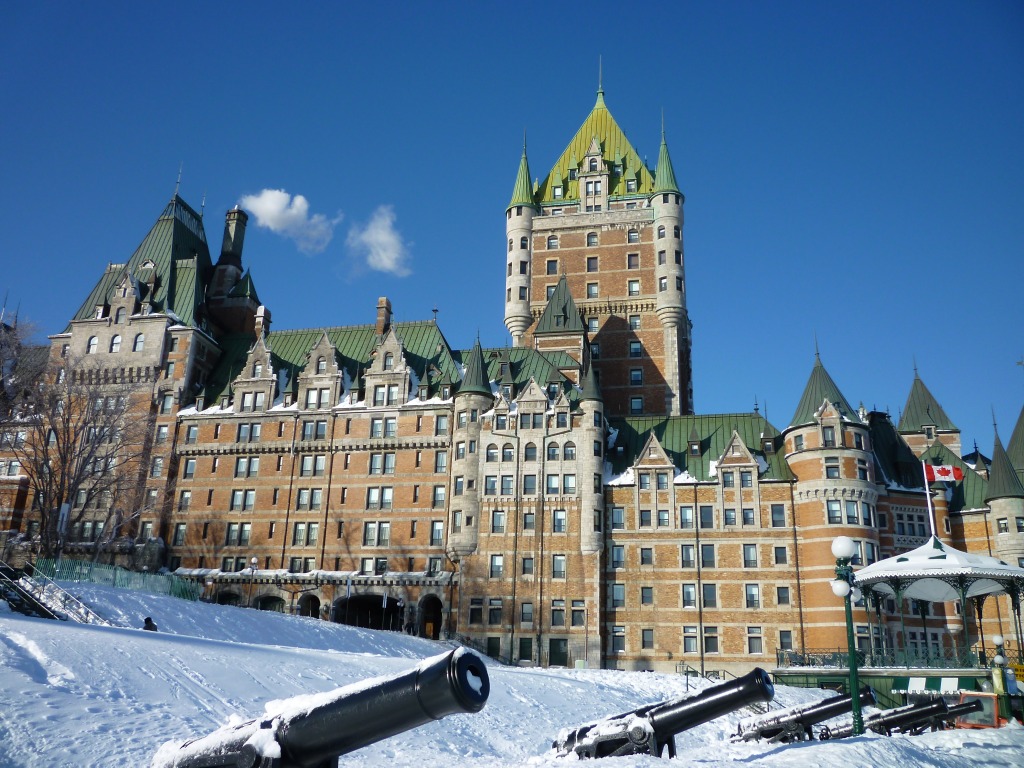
column 370, row 611
column 271, row 603
column 229, row 598
column 431, row 612
column 309, row 605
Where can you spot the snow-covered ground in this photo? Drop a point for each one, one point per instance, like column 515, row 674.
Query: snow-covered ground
column 74, row 695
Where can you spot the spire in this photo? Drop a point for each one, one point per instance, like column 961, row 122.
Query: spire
column 474, row 381
column 664, row 175
column 923, row 409
column 1003, row 482
column 590, row 389
column 1015, row 448
column 600, row 86
column 820, row 387
column 522, row 193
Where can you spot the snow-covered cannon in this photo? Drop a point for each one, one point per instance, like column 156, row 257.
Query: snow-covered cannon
column 651, row 728
column 901, row 719
column 312, row 731
column 794, row 724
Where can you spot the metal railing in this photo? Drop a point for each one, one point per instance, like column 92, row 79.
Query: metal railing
column 66, row 569
column 55, row 601
column 837, row 658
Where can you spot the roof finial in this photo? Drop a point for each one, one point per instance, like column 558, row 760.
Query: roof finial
column 817, row 355
column 524, row 142
column 434, row 310
column 600, row 87
column 177, row 184
column 202, row 205
column 755, row 404
column 663, row 124
column 995, row 427
column 915, row 367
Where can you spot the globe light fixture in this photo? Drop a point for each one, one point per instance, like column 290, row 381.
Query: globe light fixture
column 844, row 548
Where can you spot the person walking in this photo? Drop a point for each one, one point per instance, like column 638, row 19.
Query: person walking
column 149, row 625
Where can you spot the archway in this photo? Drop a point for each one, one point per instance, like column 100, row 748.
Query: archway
column 270, row 603
column 229, row 598
column 309, row 605
column 370, row 611
column 431, row 612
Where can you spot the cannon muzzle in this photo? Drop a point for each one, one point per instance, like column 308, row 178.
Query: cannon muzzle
column 312, row 731
column 794, row 724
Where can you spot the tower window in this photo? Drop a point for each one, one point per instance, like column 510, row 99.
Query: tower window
column 593, row 163
column 556, row 192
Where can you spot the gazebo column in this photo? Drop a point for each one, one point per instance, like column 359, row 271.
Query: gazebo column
column 961, row 586
column 979, row 601
column 903, row 626
column 877, row 600
column 922, row 609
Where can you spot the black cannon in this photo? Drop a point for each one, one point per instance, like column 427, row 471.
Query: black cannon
column 943, row 720
column 794, row 724
column 312, row 731
column 901, row 719
column 651, row 728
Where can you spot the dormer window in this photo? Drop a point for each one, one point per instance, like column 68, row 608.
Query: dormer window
column 257, row 370
column 389, row 361
column 929, row 433
column 321, row 365
column 631, row 185
column 99, row 311
column 828, row 437
column 556, row 192
column 593, row 164
column 119, row 316
column 769, row 445
column 695, row 447
column 572, row 174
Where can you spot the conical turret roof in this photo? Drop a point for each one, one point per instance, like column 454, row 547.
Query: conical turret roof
column 820, row 388
column 590, row 389
column 923, row 409
column 522, row 192
column 664, row 174
column 475, row 379
column 1003, row 482
column 1015, row 448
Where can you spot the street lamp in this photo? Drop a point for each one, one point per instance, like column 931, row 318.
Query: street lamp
column 999, row 668
column 843, row 549
column 252, row 575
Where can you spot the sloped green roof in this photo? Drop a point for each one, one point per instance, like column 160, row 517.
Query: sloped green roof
column 820, row 388
column 176, row 239
column 245, row 288
column 965, row 494
column 615, row 148
column 664, row 174
column 895, row 462
column 561, row 314
column 590, row 389
column 525, row 364
column 522, row 193
column 1003, row 482
column 923, row 409
column 1015, row 448
column 474, row 381
column 714, row 432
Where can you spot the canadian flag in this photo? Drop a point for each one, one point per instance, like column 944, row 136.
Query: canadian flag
column 947, row 473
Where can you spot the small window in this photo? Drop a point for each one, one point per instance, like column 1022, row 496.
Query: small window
column 552, row 242
column 90, row 348
column 634, row 287
column 591, row 263
column 592, row 290
column 140, row 343
column 591, row 239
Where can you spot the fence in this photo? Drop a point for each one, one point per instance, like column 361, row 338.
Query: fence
column 109, row 575
column 838, row 657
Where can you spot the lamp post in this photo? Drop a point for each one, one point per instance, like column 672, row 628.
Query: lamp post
column 999, row 669
column 252, row 575
column 843, row 549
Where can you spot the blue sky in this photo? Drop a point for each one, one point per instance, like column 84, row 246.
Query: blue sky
column 854, row 172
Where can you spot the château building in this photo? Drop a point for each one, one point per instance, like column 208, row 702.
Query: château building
column 557, row 501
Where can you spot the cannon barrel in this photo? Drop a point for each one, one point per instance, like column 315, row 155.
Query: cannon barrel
column 649, row 729
column 312, row 731
column 886, row 722
column 673, row 717
column 796, row 722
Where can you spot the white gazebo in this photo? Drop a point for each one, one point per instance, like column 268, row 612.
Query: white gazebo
column 936, row 572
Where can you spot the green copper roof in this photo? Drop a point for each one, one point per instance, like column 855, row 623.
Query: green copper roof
column 964, row 495
column 522, row 192
column 1015, row 448
column 245, row 288
column 523, row 364
column 561, row 314
column 664, row 175
column 922, row 409
column 475, row 379
column 895, row 462
column 1003, row 482
column 820, row 388
column 176, row 246
column 615, row 147
column 714, row 432
column 590, row 389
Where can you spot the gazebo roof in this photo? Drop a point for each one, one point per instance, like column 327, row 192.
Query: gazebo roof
column 935, row 572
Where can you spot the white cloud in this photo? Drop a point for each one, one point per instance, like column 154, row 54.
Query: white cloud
column 289, row 216
column 380, row 243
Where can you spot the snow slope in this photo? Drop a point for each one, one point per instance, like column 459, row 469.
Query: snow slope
column 79, row 695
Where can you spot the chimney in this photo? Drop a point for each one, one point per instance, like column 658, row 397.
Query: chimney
column 383, row 315
column 234, row 236
column 262, row 321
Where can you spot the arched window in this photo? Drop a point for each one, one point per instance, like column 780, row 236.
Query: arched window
column 321, row 365
column 140, row 343
column 90, row 347
column 593, row 163
column 257, row 370
column 119, row 316
column 661, row 231
column 552, row 242
column 524, row 242
column 492, row 452
column 552, row 451
column 530, row 452
column 507, row 452
column 389, row 361
column 632, row 236
column 591, row 238
column 115, row 343
column 569, row 452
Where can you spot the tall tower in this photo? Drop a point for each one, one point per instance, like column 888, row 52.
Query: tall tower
column 614, row 229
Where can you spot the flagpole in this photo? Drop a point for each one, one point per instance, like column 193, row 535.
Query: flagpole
column 928, row 498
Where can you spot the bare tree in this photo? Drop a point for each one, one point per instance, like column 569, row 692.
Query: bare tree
column 82, row 440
